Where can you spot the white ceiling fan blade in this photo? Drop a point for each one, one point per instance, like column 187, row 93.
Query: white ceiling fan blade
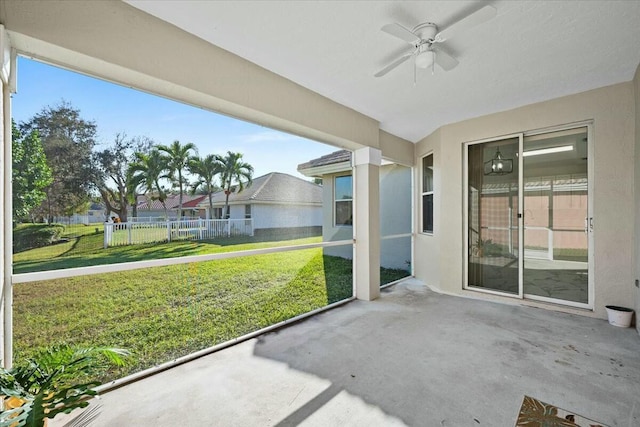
column 393, row 65
column 401, row 32
column 446, row 61
column 466, row 23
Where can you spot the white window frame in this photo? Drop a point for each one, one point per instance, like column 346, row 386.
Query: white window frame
column 335, row 201
column 426, row 193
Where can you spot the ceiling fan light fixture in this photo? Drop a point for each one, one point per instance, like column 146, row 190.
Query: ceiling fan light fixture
column 425, row 35
column 425, row 59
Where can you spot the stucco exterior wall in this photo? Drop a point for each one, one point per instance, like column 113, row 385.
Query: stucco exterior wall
column 396, row 149
column 427, row 246
column 236, row 211
column 331, row 232
column 285, row 216
column 612, row 111
column 395, row 216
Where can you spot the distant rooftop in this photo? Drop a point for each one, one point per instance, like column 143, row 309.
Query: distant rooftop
column 172, row 201
column 274, row 187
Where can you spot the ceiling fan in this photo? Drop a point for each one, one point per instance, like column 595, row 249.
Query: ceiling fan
column 425, row 39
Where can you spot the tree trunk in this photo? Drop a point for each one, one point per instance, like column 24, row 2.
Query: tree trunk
column 226, row 205
column 180, row 196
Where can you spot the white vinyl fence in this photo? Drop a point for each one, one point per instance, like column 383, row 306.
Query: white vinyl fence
column 77, row 219
column 158, row 218
column 132, row 233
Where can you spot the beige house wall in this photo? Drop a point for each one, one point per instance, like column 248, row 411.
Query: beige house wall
column 426, row 260
column 439, row 258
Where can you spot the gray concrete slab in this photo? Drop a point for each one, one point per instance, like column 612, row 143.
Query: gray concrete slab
column 413, row 358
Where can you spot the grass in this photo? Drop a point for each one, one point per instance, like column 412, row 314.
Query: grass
column 86, row 248
column 166, row 312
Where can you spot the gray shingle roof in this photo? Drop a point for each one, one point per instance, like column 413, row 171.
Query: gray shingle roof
column 328, row 159
column 274, row 187
column 172, row 201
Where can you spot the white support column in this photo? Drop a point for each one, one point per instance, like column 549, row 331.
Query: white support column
column 367, row 223
column 8, row 82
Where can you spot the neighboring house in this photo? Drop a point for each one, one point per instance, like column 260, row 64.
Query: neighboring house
column 335, row 170
column 275, row 201
column 150, row 208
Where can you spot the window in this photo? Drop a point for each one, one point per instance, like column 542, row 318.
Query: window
column 343, row 197
column 427, row 194
column 247, row 211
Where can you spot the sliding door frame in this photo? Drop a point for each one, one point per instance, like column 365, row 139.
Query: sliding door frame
column 589, row 222
column 465, row 215
column 589, row 226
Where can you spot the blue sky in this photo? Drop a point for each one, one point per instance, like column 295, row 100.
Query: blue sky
column 117, row 109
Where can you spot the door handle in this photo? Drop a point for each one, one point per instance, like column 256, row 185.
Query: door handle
column 588, row 224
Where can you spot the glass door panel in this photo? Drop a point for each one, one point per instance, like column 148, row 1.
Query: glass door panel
column 555, row 216
column 492, row 216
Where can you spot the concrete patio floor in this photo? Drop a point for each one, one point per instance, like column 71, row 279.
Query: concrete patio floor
column 412, row 357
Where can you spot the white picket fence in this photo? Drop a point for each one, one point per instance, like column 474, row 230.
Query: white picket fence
column 158, row 218
column 132, row 233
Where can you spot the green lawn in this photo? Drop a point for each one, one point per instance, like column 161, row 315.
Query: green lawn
column 165, row 312
column 82, row 250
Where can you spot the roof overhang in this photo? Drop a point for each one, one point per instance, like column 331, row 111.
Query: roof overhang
column 319, row 171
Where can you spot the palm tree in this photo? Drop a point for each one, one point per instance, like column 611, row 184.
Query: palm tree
column 146, row 172
column 206, row 169
column 177, row 158
column 235, row 175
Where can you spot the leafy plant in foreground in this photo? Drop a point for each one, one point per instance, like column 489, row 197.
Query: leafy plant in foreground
column 54, row 381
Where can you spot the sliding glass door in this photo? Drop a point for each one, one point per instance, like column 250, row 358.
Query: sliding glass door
column 493, row 238
column 556, row 216
column 528, row 223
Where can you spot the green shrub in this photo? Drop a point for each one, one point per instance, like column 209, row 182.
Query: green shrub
column 31, row 236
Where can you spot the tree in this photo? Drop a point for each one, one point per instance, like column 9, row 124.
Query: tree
column 206, row 170
column 235, row 176
column 68, row 141
column 145, row 174
column 178, row 157
column 30, row 172
column 112, row 179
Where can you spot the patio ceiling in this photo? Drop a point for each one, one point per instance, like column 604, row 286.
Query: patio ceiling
column 531, row 51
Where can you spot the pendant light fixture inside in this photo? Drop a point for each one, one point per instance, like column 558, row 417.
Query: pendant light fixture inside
column 498, row 165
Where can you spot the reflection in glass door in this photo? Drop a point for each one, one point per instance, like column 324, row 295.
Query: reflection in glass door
column 492, row 216
column 556, row 216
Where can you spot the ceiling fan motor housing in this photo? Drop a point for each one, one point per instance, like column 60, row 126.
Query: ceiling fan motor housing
column 426, row 31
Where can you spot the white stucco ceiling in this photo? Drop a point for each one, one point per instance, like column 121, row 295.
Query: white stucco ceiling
column 532, row 51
